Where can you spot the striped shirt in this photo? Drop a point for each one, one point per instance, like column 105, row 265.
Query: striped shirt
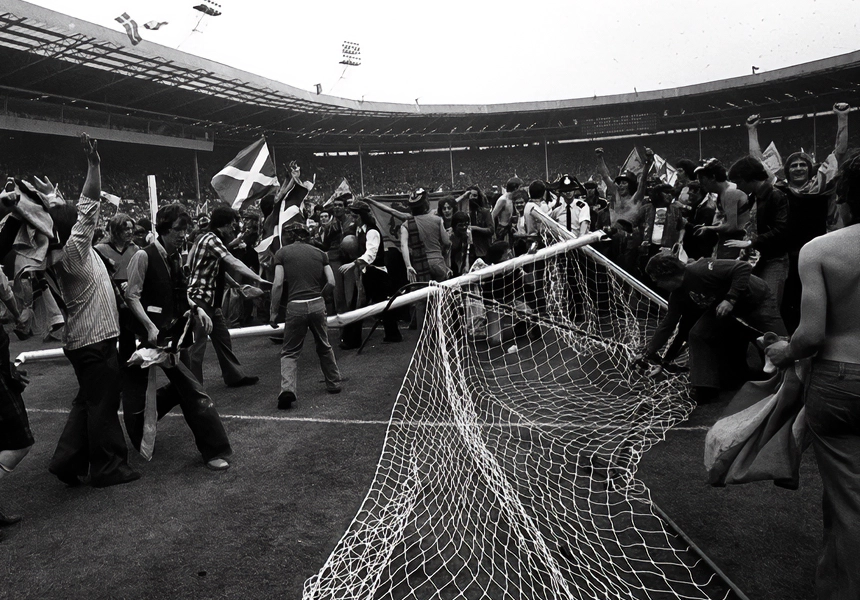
column 91, row 313
column 204, row 263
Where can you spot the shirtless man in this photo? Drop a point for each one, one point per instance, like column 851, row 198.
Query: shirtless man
column 504, row 209
column 626, row 195
column 829, row 330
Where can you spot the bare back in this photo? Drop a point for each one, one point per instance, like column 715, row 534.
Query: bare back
column 836, row 257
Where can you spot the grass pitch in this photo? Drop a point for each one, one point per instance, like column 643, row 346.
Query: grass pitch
column 297, row 479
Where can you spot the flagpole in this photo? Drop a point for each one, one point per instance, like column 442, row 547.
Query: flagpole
column 196, row 177
column 361, row 169
column 546, row 158
column 700, row 141
column 814, row 135
column 451, row 156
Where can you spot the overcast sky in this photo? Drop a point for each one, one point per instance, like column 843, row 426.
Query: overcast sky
column 467, row 52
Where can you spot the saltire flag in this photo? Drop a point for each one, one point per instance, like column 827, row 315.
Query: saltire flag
column 633, row 163
column 115, row 200
column 771, row 159
column 342, row 189
column 248, row 177
column 663, row 170
column 288, row 210
column 155, row 25
column 130, row 28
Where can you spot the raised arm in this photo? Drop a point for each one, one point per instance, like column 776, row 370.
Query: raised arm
column 841, row 110
column 93, row 183
column 639, row 196
column 611, row 188
column 752, row 134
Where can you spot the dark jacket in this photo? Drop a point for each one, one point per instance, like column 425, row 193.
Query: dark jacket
column 707, row 282
column 771, row 219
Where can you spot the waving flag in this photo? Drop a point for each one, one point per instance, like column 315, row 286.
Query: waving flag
column 249, row 176
column 155, row 25
column 663, row 170
column 342, row 189
column 130, row 28
column 287, row 210
column 771, row 159
column 115, row 200
column 633, row 163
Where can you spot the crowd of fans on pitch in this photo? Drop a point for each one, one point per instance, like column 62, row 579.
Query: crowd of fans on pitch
column 721, row 243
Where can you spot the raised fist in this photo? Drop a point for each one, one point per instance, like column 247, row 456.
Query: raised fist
column 841, row 107
column 753, row 120
column 598, row 151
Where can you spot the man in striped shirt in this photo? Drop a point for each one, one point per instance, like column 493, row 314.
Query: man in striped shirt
column 208, row 263
column 92, row 439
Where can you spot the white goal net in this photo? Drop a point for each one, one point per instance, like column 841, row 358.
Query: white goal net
column 509, row 464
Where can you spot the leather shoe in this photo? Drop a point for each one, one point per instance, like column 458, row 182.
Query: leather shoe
column 396, row 340
column 246, row 380
column 285, row 400
column 118, row 478
column 345, row 346
column 67, row 478
column 8, row 519
column 217, row 464
column 334, row 390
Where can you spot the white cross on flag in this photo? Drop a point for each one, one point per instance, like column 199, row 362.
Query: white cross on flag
column 249, row 176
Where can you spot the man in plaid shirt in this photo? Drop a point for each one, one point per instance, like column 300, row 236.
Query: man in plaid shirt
column 208, row 262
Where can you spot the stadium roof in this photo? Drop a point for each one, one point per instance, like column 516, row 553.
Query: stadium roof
column 53, row 62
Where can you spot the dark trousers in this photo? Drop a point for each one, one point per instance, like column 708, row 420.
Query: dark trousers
column 833, row 413
column 231, row 370
column 92, row 437
column 791, row 294
column 718, row 345
column 185, row 391
column 377, row 286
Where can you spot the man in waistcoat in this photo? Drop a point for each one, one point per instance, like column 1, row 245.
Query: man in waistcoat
column 157, row 296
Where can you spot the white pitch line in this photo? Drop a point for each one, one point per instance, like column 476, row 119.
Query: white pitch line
column 58, row 411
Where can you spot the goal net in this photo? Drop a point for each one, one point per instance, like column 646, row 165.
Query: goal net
column 509, row 463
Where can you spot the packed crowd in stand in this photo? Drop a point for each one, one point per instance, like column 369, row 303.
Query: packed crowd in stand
column 724, row 242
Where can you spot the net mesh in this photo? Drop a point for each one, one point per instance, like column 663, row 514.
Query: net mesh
column 508, row 467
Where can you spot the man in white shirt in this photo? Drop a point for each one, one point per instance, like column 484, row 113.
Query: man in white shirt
column 374, row 276
column 573, row 214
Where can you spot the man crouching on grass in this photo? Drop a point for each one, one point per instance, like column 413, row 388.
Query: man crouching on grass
column 829, row 330
column 705, row 295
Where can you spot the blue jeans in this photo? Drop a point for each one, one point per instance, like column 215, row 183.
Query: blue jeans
column 833, row 413
column 302, row 315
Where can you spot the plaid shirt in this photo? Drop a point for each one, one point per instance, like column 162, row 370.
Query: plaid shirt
column 204, row 262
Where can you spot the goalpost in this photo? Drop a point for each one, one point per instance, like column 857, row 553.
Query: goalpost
column 509, row 463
